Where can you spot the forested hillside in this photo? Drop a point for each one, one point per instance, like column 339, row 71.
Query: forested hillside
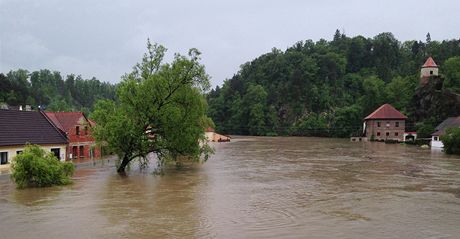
column 326, row 88
column 51, row 91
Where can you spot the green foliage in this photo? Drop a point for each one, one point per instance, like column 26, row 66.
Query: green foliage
column 160, row 109
column 424, row 130
column 451, row 69
column 331, row 85
column 36, row 168
column 451, row 140
column 49, row 90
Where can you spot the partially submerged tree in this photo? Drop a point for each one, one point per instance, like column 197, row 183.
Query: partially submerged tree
column 36, row 168
column 451, row 140
column 160, row 109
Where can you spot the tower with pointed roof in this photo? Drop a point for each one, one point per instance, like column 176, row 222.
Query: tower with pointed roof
column 428, row 69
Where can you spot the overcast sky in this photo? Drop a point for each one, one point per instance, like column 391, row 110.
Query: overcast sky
column 105, row 39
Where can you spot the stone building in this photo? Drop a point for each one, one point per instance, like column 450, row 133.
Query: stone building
column 428, row 70
column 385, row 123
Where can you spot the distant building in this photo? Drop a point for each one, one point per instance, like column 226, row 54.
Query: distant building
column 440, row 130
column 17, row 128
column 385, row 123
column 428, row 69
column 212, row 136
column 78, row 130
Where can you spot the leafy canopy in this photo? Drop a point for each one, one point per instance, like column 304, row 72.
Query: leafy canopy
column 36, row 168
column 451, row 140
column 160, row 109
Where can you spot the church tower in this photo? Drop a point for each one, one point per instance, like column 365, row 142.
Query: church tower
column 428, row 69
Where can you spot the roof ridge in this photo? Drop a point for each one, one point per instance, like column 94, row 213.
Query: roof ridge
column 61, row 133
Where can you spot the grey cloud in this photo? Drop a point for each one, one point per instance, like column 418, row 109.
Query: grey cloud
column 105, row 38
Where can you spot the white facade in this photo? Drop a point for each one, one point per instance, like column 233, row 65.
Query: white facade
column 12, row 151
column 429, row 71
column 436, row 142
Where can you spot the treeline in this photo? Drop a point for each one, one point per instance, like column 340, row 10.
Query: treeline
column 49, row 90
column 326, row 88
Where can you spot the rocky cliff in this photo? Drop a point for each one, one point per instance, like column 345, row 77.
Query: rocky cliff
column 434, row 103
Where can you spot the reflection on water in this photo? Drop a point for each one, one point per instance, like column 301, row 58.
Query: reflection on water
column 253, row 188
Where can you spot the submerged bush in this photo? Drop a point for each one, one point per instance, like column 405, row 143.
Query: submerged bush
column 451, row 141
column 36, row 168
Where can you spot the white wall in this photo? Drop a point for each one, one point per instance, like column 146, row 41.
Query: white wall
column 436, row 143
column 11, row 150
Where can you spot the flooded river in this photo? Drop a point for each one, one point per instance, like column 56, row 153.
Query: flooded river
column 253, row 188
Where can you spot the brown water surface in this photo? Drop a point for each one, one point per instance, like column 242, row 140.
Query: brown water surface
column 253, row 188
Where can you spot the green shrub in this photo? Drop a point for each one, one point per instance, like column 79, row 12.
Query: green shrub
column 451, row 141
column 36, row 168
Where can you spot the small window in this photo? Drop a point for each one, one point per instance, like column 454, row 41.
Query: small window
column 388, row 134
column 435, row 138
column 18, row 152
column 378, row 133
column 431, row 72
column 86, row 130
column 397, row 124
column 77, row 130
column 396, row 134
column 56, row 152
column 378, row 124
column 4, row 158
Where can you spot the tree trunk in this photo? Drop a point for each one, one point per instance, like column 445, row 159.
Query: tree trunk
column 124, row 163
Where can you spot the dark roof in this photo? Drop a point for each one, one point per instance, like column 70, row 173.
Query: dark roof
column 67, row 120
column 430, row 63
column 21, row 127
column 448, row 123
column 386, row 111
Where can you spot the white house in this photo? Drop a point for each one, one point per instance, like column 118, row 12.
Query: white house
column 18, row 128
column 440, row 130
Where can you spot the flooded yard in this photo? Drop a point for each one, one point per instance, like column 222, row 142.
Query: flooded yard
column 253, row 187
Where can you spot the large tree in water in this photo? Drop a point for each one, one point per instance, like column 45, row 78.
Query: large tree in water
column 160, row 109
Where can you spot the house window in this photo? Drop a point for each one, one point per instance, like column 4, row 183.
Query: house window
column 86, row 130
column 82, row 152
column 3, row 157
column 74, row 152
column 431, row 72
column 396, row 134
column 388, row 134
column 378, row 124
column 18, row 152
column 435, row 138
column 378, row 133
column 397, row 124
column 56, row 152
column 77, row 130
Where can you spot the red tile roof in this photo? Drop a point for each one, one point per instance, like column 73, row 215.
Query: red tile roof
column 66, row 120
column 21, row 127
column 430, row 63
column 386, row 111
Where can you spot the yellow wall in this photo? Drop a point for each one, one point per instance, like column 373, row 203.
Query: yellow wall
column 11, row 150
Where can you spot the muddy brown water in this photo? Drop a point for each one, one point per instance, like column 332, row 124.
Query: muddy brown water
column 253, row 188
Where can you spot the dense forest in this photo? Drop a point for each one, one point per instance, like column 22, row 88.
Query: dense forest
column 326, row 88
column 51, row 91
